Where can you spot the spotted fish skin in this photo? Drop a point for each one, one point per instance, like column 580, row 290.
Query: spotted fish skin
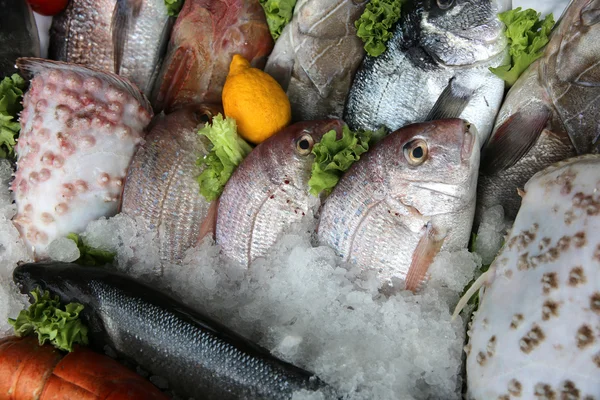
column 536, row 333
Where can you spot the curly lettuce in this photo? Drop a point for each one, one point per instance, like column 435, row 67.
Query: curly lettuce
column 527, row 36
column 90, row 256
column 228, row 151
column 11, row 93
column 279, row 14
column 375, row 24
column 62, row 327
column 173, row 7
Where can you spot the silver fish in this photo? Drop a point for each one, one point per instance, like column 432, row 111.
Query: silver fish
column 435, row 67
column 411, row 195
column 128, row 37
column 551, row 113
column 269, row 191
column 316, row 57
column 161, row 185
column 18, row 36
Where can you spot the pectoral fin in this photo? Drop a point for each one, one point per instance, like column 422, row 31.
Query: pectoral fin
column 451, row 103
column 176, row 75
column 429, row 246
column 123, row 19
column 209, row 224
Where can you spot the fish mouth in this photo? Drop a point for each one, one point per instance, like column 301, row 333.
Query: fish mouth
column 469, row 140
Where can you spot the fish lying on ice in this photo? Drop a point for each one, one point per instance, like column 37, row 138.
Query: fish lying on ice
column 316, row 57
column 199, row 357
column 411, row 195
column 536, row 333
column 550, row 114
column 269, row 191
column 436, row 66
column 18, row 36
column 205, row 37
column 79, row 131
column 161, row 185
column 128, row 37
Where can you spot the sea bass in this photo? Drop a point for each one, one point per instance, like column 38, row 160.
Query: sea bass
column 79, row 131
column 18, row 36
column 316, row 57
column 411, row 195
column 128, row 37
column 161, row 185
column 205, row 37
column 269, row 191
column 199, row 357
column 536, row 332
column 550, row 114
column 436, row 66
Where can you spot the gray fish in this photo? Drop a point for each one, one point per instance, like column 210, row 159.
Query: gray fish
column 316, row 57
column 410, row 196
column 161, row 185
column 128, row 37
column 18, row 35
column 436, row 66
column 199, row 357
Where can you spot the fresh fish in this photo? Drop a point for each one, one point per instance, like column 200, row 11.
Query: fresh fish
column 205, row 37
column 199, row 357
column 128, row 37
column 436, row 66
column 18, row 36
column 79, row 131
column 317, row 55
column 161, row 185
column 269, row 191
column 536, row 332
column 550, row 114
column 411, row 195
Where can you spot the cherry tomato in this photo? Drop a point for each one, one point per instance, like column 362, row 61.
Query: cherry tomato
column 48, row 7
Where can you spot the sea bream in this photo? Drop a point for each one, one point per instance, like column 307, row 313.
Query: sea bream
column 198, row 357
column 551, row 113
column 161, row 186
column 316, row 57
column 79, row 131
column 536, row 333
column 204, row 39
column 18, row 36
column 436, row 66
column 269, row 191
column 407, row 198
column 128, row 37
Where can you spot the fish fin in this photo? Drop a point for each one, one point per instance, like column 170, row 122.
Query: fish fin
column 209, row 225
column 174, row 78
column 451, row 103
column 477, row 285
column 124, row 16
column 33, row 66
column 162, row 51
column 512, row 140
column 429, row 246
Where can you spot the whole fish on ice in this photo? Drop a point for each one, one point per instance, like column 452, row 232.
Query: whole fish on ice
column 269, row 191
column 79, row 131
column 436, row 66
column 316, row 57
column 199, row 357
column 409, row 196
column 536, row 333
column 161, row 185
column 18, row 35
column 205, row 37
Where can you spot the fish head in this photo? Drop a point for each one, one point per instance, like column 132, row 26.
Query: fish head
column 51, row 276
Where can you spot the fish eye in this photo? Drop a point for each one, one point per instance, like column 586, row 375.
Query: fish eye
column 445, row 4
column 304, row 144
column 416, row 152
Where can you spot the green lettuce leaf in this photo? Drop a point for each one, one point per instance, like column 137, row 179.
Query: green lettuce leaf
column 90, row 256
column 279, row 14
column 228, row 151
column 45, row 317
column 333, row 157
column 11, row 93
column 173, row 7
column 375, row 24
column 527, row 36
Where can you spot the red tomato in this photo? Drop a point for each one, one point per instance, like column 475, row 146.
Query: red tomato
column 48, row 7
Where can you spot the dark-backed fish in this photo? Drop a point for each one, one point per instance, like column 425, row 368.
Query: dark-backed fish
column 18, row 35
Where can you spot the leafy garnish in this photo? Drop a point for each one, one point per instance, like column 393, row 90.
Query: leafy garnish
column 90, row 256
column 227, row 153
column 279, row 14
column 45, row 317
column 11, row 93
column 333, row 157
column 527, row 35
column 375, row 23
column 173, row 7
